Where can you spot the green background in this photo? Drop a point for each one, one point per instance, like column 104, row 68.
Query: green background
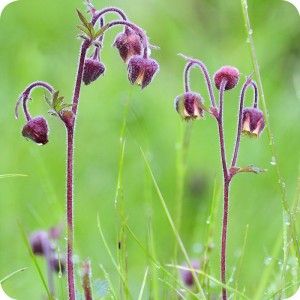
column 38, row 42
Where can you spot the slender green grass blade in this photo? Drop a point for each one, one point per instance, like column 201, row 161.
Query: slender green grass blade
column 12, row 274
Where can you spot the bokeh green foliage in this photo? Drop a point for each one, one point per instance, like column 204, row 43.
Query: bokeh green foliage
column 38, row 41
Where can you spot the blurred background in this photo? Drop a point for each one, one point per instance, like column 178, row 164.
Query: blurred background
column 38, row 42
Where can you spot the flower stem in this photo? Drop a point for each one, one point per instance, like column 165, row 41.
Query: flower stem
column 225, row 187
column 70, row 228
column 70, row 151
column 224, row 237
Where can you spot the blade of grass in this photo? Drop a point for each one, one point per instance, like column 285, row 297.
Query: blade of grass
column 143, row 284
column 111, row 287
column 12, row 274
column 240, row 260
column 182, row 150
column 286, row 214
column 229, row 288
column 111, row 256
column 166, row 210
column 2, row 176
column 33, row 258
column 157, row 264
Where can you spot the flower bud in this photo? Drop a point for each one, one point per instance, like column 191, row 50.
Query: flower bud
column 38, row 241
column 92, row 69
column 253, row 121
column 128, row 43
column 231, row 74
column 36, row 129
column 189, row 106
column 187, row 275
column 141, row 70
column 57, row 264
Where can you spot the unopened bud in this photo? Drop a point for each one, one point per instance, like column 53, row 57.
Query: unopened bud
column 38, row 241
column 141, row 70
column 128, row 43
column 187, row 275
column 36, row 129
column 93, row 68
column 228, row 73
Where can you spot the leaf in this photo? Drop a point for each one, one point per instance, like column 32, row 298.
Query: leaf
column 84, row 29
column 83, row 19
column 247, row 169
column 100, row 31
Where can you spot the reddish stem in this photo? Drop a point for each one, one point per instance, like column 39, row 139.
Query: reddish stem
column 70, row 225
column 225, row 187
column 202, row 67
column 240, row 118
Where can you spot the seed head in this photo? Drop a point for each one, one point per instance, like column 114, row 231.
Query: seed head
column 128, row 43
column 141, row 70
column 189, row 106
column 187, row 275
column 253, row 121
column 36, row 129
column 38, row 241
column 92, row 69
column 231, row 74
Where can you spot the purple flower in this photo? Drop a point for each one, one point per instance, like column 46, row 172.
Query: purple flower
column 38, row 241
column 189, row 106
column 231, row 74
column 253, row 121
column 187, row 275
column 93, row 68
column 141, row 70
column 128, row 43
column 36, row 129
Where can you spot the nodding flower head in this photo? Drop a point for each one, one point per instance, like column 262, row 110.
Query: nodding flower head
column 92, row 69
column 231, row 74
column 187, row 275
column 128, row 43
column 38, row 241
column 253, row 121
column 57, row 264
column 189, row 106
column 36, row 129
column 141, row 70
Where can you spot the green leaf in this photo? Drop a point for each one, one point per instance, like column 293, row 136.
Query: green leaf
column 247, row 169
column 84, row 30
column 100, row 31
column 83, row 19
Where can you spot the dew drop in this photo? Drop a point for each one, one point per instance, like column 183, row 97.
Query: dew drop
column 267, row 260
column 273, row 161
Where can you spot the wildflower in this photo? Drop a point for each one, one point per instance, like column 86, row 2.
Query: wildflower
column 38, row 241
column 36, row 129
column 92, row 69
column 189, row 105
column 187, row 275
column 141, row 70
column 231, row 74
column 128, row 43
column 253, row 121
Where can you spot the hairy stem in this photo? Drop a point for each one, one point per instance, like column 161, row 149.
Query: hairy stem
column 225, row 187
column 70, row 224
column 240, row 117
column 193, row 62
column 224, row 237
